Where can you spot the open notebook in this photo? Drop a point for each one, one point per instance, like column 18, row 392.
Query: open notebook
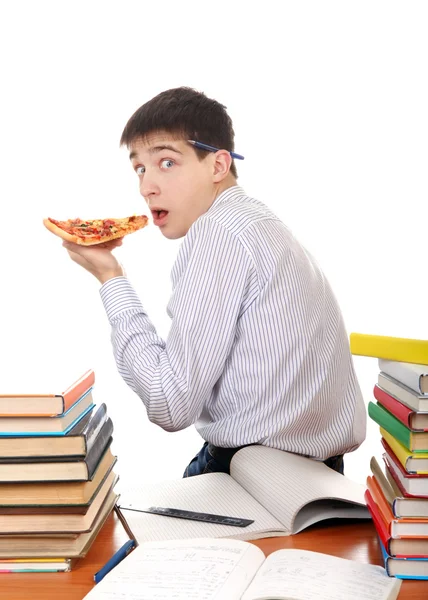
column 283, row 493
column 209, row 569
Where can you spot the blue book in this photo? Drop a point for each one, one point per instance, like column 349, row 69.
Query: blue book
column 403, row 567
column 55, row 425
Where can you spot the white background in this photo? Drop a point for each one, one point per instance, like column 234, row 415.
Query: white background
column 329, row 103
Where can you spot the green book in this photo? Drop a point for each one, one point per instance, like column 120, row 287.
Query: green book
column 414, row 441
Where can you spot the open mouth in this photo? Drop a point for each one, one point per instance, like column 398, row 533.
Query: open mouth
column 159, row 216
column 159, row 213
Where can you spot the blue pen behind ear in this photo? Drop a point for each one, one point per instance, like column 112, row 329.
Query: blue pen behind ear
column 213, row 149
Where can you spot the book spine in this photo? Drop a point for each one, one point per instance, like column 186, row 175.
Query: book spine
column 30, row 434
column 392, row 425
column 79, row 427
column 380, row 526
column 104, row 434
column 393, row 472
column 396, row 490
column 77, row 389
column 90, row 408
column 399, row 458
column 95, row 455
column 382, row 481
column 403, row 454
column 383, row 507
column 402, row 373
column 393, row 476
column 400, row 411
column 402, row 393
column 390, row 348
column 94, row 426
column 385, row 555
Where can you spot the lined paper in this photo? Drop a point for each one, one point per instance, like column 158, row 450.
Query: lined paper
column 305, row 575
column 215, row 493
column 285, row 482
column 209, row 569
column 187, row 570
column 270, row 486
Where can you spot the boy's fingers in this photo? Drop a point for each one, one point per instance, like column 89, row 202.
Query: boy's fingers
column 111, row 244
column 68, row 245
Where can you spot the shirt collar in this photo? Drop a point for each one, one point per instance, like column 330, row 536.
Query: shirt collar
column 235, row 191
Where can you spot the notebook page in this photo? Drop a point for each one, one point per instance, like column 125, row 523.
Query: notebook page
column 203, row 569
column 284, row 483
column 215, row 493
column 304, row 575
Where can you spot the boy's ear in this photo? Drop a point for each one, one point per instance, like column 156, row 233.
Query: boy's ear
column 222, row 164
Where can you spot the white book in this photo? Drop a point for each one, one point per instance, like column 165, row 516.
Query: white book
column 402, row 393
column 282, row 492
column 210, row 569
column 413, row 376
column 403, row 507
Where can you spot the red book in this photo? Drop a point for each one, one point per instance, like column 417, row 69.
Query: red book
column 407, row 416
column 379, row 523
column 410, row 484
column 404, row 547
column 397, row 527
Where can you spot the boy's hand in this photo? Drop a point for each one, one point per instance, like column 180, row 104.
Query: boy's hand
column 97, row 259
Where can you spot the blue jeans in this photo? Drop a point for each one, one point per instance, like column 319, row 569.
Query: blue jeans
column 211, row 459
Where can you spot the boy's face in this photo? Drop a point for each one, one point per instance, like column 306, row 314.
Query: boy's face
column 177, row 186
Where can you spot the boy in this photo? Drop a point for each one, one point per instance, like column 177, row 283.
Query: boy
column 257, row 352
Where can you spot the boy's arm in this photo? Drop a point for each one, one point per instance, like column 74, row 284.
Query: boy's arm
column 175, row 378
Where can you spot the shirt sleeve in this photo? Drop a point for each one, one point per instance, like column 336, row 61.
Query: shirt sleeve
column 176, row 377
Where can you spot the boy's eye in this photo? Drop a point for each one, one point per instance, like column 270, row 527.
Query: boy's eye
column 140, row 170
column 167, row 163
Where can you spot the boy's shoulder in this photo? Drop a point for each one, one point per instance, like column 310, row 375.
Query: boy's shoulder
column 236, row 211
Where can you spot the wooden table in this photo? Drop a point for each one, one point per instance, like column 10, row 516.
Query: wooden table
column 355, row 540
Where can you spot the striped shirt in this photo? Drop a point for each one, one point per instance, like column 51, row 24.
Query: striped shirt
column 257, row 351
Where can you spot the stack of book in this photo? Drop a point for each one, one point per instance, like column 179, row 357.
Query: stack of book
column 56, row 477
column 397, row 494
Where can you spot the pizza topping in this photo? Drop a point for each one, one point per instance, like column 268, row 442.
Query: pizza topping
column 99, row 230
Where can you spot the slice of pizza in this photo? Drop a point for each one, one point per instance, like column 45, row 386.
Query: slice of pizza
column 95, row 231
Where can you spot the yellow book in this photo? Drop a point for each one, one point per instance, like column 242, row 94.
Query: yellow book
column 390, row 348
column 413, row 462
column 34, row 560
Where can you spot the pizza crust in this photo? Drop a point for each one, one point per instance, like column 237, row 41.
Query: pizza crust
column 140, row 221
column 60, row 232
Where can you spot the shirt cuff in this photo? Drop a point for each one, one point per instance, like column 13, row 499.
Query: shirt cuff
column 118, row 296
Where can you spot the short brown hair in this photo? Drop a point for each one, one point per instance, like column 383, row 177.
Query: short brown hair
column 186, row 113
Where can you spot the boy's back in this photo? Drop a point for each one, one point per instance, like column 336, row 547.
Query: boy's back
column 278, row 340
